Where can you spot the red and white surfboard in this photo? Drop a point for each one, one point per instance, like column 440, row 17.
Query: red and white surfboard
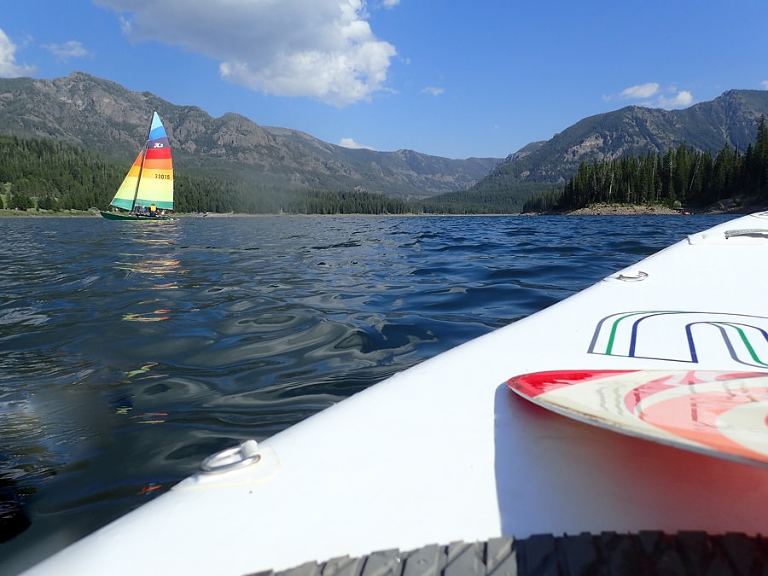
column 719, row 413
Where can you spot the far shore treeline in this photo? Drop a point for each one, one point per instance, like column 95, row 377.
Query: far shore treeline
column 52, row 175
column 679, row 177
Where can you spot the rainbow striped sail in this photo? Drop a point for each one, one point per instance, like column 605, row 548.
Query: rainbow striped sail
column 150, row 180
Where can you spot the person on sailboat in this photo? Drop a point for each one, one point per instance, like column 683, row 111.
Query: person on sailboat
column 153, row 209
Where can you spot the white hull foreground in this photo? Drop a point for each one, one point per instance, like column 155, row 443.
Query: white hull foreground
column 446, row 452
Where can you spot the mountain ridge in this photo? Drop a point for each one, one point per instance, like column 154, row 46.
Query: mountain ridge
column 731, row 119
column 101, row 114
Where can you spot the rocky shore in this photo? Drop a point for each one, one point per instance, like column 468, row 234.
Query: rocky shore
column 623, row 210
column 738, row 205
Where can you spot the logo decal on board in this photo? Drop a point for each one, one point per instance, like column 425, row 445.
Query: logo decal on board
column 683, row 336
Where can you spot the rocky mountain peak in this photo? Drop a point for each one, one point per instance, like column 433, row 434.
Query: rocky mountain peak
column 102, row 115
column 635, row 130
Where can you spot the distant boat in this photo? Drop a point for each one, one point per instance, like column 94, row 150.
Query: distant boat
column 147, row 190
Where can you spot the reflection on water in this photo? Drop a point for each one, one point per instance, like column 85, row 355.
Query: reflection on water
column 130, row 351
column 152, row 251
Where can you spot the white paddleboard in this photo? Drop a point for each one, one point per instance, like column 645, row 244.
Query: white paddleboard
column 445, row 451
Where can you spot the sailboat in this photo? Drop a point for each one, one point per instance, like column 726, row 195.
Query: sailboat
column 147, row 190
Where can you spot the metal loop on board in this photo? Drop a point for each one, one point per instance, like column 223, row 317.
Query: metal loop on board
column 637, row 277
column 232, row 458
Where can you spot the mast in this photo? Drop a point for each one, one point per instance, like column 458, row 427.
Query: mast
column 141, row 168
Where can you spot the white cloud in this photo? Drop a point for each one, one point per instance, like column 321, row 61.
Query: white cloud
column 679, row 99
column 350, row 143
column 390, row 3
column 652, row 95
column 71, row 49
column 433, row 90
column 640, row 91
column 764, row 84
column 324, row 49
column 8, row 66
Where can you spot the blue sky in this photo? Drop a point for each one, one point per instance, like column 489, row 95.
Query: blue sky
column 453, row 78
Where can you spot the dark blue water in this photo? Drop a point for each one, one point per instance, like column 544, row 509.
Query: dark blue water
column 130, row 351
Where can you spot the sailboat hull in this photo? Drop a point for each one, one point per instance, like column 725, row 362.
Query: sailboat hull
column 130, row 216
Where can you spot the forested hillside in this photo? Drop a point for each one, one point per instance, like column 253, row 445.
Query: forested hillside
column 50, row 175
column 53, row 175
column 492, row 200
column 680, row 177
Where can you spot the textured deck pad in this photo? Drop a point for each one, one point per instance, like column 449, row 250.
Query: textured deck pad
column 719, row 413
column 689, row 553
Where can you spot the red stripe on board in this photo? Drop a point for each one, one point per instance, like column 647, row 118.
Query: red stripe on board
column 536, row 383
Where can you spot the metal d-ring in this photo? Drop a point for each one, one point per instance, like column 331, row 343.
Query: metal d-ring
column 232, row 458
column 640, row 275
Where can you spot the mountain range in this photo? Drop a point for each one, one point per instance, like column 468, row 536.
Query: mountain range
column 730, row 119
column 101, row 115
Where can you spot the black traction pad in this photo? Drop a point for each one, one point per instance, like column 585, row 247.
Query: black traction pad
column 608, row 553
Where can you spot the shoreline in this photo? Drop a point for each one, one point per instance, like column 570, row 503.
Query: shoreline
column 601, row 209
column 32, row 213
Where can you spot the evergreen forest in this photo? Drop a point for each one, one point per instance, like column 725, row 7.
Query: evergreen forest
column 51, row 175
column 678, row 177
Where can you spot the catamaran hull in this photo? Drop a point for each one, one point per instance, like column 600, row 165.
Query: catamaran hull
column 127, row 216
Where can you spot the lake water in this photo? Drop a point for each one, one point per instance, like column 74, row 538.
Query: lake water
column 130, row 351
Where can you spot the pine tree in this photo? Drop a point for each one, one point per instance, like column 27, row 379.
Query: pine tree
column 20, row 201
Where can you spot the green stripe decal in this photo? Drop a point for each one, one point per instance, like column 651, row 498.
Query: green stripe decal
column 747, row 343
column 614, row 328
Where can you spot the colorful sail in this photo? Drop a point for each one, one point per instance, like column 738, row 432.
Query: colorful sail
column 150, row 179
